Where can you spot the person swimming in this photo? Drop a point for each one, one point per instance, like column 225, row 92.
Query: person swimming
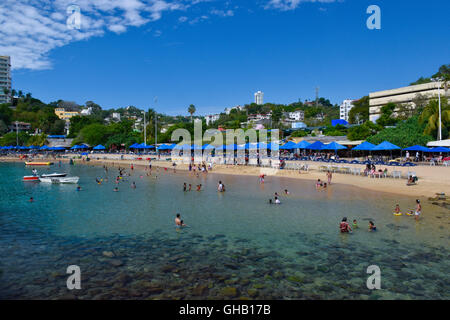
column 133, row 185
column 318, row 184
column 325, row 185
column 116, row 189
column 78, row 188
column 270, row 201
column 178, row 220
column 199, row 187
column 277, row 201
column 190, row 187
column 372, row 226
column 344, row 226
column 355, row 224
column 286, row 191
column 184, row 187
column 31, row 199
column 397, row 209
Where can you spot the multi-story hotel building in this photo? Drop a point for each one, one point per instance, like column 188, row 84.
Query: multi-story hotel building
column 344, row 109
column 405, row 95
column 5, row 78
column 65, row 115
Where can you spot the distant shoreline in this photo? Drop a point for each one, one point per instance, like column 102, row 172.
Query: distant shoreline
column 432, row 179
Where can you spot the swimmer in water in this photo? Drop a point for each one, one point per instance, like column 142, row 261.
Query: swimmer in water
column 344, row 226
column 116, row 189
column 178, row 221
column 397, row 209
column 325, row 185
column 184, row 187
column 78, row 188
column 372, row 226
column 190, row 187
column 31, row 199
column 277, row 201
column 286, row 191
column 133, row 185
column 199, row 187
column 270, row 201
column 355, row 224
column 318, row 184
column 418, row 210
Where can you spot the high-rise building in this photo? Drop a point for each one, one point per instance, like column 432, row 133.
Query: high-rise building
column 5, row 78
column 345, row 108
column 259, row 98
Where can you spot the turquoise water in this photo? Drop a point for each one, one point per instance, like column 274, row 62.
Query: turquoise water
column 234, row 240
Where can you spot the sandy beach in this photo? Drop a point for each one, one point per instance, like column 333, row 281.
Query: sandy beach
column 432, row 179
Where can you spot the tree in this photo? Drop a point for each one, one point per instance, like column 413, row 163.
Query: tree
column 92, row 134
column 360, row 111
column 406, row 134
column 363, row 131
column 430, row 116
column 191, row 110
column 387, row 115
column 276, row 115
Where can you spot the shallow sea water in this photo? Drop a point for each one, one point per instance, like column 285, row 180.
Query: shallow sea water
column 236, row 245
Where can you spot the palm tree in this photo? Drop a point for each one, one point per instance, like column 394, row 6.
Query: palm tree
column 191, row 110
column 430, row 115
column 20, row 94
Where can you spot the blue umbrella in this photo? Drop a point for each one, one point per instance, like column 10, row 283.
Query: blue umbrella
column 416, row 148
column 315, row 146
column 44, row 147
column 289, row 145
column 439, row 149
column 386, row 145
column 365, row 146
column 99, row 147
column 302, row 144
column 134, row 145
column 333, row 146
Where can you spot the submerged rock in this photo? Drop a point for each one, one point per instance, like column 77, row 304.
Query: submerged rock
column 229, row 292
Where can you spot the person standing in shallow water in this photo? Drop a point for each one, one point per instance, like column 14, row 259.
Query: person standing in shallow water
column 329, row 176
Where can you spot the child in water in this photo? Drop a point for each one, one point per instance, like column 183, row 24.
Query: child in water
column 397, row 209
column 355, row 224
column 277, row 201
column 372, row 226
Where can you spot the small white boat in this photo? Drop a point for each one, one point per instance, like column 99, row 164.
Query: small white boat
column 58, row 180
column 53, row 175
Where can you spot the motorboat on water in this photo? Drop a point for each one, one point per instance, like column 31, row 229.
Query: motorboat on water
column 30, row 178
column 53, row 175
column 58, row 180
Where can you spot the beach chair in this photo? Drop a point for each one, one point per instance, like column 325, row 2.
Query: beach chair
column 396, row 174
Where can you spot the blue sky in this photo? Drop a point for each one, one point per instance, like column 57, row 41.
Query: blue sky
column 216, row 54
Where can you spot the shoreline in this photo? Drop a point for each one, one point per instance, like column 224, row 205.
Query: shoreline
column 432, row 180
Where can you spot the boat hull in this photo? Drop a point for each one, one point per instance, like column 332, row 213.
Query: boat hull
column 30, row 178
column 53, row 175
column 60, row 180
column 38, row 163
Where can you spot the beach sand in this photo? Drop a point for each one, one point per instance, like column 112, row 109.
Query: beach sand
column 432, row 179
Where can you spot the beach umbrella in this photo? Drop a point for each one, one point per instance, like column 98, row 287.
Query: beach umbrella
column 196, row 147
column 240, row 147
column 315, row 146
column 56, row 148
column 416, row 148
column 302, row 144
column 99, row 147
column 333, row 146
column 386, row 145
column 365, row 146
column 44, row 147
column 162, row 147
column 73, row 148
column 288, row 146
column 439, row 149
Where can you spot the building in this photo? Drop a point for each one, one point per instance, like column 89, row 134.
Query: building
column 404, row 95
column 211, row 118
column 345, row 108
column 298, row 125
column 5, row 79
column 239, row 108
column 116, row 116
column 298, row 115
column 64, row 114
column 259, row 98
column 86, row 112
column 20, row 126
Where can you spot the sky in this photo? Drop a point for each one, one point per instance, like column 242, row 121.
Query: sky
column 168, row 54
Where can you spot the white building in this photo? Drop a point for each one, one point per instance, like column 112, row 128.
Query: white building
column 239, row 108
column 211, row 118
column 86, row 112
column 345, row 108
column 116, row 116
column 259, row 98
column 298, row 115
column 5, row 78
column 405, row 96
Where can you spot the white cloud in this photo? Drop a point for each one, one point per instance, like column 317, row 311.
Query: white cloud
column 292, row 4
column 30, row 29
column 223, row 13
